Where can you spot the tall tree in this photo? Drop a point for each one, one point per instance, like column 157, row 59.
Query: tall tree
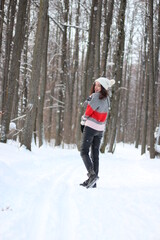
column 118, row 72
column 43, row 83
column 14, row 68
column 90, row 55
column 105, row 48
column 156, row 65
column 23, row 86
column 146, row 103
column 141, row 80
column 151, row 80
column 35, row 77
column 127, row 79
column 1, row 20
column 70, row 84
column 106, row 34
column 9, row 38
column 63, row 77
column 97, row 40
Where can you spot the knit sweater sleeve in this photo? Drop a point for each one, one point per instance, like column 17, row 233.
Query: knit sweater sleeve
column 85, row 104
column 92, row 105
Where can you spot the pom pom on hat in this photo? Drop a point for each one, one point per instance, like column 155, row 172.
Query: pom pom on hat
column 105, row 82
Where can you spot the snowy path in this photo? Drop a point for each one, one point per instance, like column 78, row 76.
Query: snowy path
column 40, row 196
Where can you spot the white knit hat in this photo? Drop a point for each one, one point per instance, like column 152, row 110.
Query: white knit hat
column 105, row 82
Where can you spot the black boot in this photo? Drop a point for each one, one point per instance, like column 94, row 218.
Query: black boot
column 94, row 186
column 92, row 179
column 85, row 183
column 89, row 174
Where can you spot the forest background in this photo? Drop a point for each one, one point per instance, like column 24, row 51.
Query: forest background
column 52, row 51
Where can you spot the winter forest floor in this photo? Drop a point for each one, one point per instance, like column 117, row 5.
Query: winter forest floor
column 40, row 196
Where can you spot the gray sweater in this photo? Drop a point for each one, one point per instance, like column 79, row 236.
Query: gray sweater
column 96, row 112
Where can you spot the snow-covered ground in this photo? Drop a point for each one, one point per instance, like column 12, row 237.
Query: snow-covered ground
column 40, row 196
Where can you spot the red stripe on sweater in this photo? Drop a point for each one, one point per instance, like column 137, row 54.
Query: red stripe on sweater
column 100, row 117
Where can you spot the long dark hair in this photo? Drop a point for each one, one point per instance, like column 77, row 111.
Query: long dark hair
column 103, row 92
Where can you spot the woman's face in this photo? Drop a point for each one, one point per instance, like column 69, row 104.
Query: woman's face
column 97, row 87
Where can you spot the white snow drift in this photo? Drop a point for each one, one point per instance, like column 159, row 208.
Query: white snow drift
column 40, row 196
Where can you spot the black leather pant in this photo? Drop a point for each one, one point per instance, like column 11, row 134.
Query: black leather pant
column 91, row 139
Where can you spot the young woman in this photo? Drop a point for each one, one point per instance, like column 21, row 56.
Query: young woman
column 93, row 125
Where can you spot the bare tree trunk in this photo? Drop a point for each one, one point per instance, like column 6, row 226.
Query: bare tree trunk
column 25, row 77
column 90, row 55
column 146, row 90
column 125, row 124
column 54, row 77
column 1, row 30
column 140, row 96
column 79, row 104
column 136, row 96
column 106, row 38
column 1, row 21
column 43, row 85
column 9, row 37
column 97, row 40
column 69, row 86
column 63, row 79
column 146, row 103
column 15, row 65
column 118, row 72
column 50, row 112
column 151, row 77
column 127, row 79
column 156, row 65
column 74, row 76
column 34, row 83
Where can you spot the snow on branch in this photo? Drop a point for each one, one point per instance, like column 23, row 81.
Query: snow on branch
column 122, row 88
column 58, row 24
column 74, row 26
column 86, row 9
column 57, row 54
column 61, row 25
column 54, row 106
column 57, row 100
column 15, row 119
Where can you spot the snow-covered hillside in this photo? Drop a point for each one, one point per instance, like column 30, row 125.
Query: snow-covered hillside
column 40, row 196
